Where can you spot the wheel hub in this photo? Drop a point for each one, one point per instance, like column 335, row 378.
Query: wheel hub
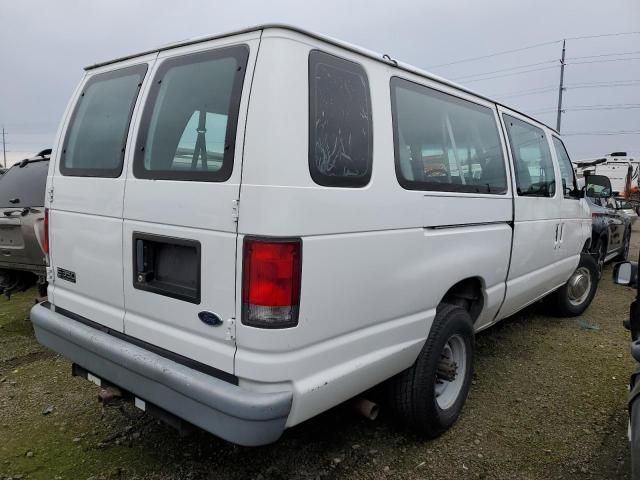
column 579, row 286
column 450, row 371
column 447, row 369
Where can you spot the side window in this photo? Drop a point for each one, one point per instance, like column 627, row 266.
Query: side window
column 444, row 143
column 97, row 134
column 532, row 159
column 569, row 184
column 188, row 127
column 340, row 128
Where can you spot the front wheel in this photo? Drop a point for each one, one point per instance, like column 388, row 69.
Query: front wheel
column 576, row 295
column 624, row 253
column 428, row 397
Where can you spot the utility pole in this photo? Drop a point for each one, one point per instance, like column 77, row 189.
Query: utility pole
column 561, row 89
column 4, row 150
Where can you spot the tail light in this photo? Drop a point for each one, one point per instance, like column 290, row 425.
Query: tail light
column 45, row 241
column 271, row 283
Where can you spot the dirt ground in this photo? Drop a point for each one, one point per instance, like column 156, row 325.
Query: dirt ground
column 548, row 402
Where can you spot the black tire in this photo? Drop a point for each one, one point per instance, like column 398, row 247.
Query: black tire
column 624, row 253
column 634, row 419
column 599, row 256
column 413, row 392
column 563, row 301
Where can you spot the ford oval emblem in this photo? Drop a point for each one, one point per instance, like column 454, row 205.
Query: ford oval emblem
column 210, row 318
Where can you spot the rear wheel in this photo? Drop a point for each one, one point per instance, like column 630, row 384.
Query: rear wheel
column 575, row 296
column 428, row 397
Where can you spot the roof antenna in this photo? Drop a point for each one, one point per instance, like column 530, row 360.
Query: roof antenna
column 390, row 60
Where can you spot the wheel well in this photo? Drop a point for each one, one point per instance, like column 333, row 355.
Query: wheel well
column 468, row 294
column 587, row 246
column 604, row 239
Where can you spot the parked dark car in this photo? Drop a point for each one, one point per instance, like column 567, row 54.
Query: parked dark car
column 626, row 273
column 22, row 230
column 611, row 230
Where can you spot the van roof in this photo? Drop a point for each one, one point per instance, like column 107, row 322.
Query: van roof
column 339, row 43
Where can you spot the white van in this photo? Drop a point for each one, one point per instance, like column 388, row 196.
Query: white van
column 248, row 229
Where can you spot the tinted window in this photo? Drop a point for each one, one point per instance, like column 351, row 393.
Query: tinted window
column 569, row 184
column 532, row 159
column 444, row 143
column 24, row 186
column 97, row 133
column 188, row 129
column 340, row 143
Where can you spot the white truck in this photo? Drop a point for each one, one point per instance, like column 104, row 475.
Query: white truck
column 247, row 229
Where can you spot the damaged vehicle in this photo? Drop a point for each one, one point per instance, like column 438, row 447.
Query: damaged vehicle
column 22, row 228
column 626, row 273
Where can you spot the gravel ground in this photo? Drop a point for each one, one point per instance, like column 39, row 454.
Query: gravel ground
column 548, row 402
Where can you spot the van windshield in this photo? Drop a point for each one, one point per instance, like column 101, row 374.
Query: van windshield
column 24, row 186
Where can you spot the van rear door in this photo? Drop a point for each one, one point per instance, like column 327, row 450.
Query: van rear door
column 181, row 197
column 85, row 217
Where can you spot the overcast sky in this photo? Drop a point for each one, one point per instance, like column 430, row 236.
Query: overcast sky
column 45, row 44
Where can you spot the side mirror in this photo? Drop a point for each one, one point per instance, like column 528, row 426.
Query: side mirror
column 598, row 186
column 626, row 273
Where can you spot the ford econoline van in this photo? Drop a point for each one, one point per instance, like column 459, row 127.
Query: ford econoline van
column 248, row 229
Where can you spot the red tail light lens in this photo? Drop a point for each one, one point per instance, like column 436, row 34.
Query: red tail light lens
column 45, row 240
column 271, row 283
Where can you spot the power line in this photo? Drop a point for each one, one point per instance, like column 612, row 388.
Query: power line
column 605, row 55
column 617, row 34
column 576, row 108
column 605, row 61
column 505, row 70
column 526, row 93
column 619, row 132
column 528, row 47
column 511, row 74
column 504, row 52
column 620, row 83
column 623, row 106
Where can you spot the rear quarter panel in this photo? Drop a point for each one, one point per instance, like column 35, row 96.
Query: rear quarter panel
column 375, row 263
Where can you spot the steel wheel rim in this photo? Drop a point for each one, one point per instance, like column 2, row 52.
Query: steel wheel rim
column 579, row 286
column 452, row 368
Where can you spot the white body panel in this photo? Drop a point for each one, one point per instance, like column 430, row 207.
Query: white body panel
column 377, row 260
column 194, row 210
column 86, row 221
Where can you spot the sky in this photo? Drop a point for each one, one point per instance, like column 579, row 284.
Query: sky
column 44, row 46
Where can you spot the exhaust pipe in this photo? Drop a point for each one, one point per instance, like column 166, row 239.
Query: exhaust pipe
column 109, row 395
column 366, row 408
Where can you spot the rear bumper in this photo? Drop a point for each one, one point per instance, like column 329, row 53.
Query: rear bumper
column 226, row 410
column 38, row 269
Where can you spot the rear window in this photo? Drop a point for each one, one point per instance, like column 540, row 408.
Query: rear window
column 188, row 128
column 340, row 144
column 22, row 187
column 97, row 133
